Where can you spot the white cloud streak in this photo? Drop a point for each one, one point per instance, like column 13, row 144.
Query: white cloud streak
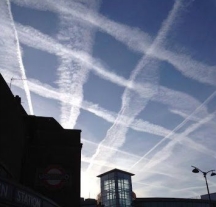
column 35, row 39
column 7, row 52
column 43, row 41
column 20, row 62
column 168, row 149
column 184, row 63
column 73, row 73
column 123, row 153
column 133, row 103
column 133, row 38
column 47, row 91
column 175, row 99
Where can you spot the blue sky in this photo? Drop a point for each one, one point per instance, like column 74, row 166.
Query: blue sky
column 138, row 77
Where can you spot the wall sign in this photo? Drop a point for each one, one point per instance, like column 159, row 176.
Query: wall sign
column 14, row 194
column 5, row 190
column 27, row 199
column 54, row 176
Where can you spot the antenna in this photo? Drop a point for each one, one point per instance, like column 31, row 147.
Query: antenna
column 12, row 79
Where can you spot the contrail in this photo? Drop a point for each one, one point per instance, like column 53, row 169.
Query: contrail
column 134, row 39
column 138, row 125
column 141, row 42
column 35, row 39
column 133, row 103
column 73, row 73
column 120, row 154
column 8, row 56
column 45, row 43
column 47, row 91
column 123, row 153
column 193, row 71
column 19, row 57
column 167, row 150
column 209, row 117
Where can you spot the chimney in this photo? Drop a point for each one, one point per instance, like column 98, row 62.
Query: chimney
column 18, row 99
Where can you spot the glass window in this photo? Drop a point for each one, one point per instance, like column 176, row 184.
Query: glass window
column 117, row 190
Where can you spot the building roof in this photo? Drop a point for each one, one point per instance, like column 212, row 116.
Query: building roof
column 6, row 96
column 44, row 123
column 115, row 170
column 39, row 122
column 167, row 199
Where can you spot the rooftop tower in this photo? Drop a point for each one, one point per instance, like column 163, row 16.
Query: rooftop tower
column 116, row 188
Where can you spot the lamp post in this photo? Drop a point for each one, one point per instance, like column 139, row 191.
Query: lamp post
column 197, row 170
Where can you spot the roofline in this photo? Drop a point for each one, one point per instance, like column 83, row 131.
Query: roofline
column 114, row 170
column 140, row 199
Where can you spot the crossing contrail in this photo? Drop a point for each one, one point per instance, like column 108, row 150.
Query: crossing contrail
column 19, row 58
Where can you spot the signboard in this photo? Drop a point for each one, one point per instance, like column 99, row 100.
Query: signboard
column 54, row 176
column 5, row 191
column 17, row 195
column 27, row 199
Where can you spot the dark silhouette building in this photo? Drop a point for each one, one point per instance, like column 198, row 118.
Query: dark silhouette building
column 171, row 202
column 88, row 202
column 14, row 194
column 37, row 152
column 206, row 196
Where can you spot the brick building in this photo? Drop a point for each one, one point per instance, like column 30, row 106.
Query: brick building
column 37, row 152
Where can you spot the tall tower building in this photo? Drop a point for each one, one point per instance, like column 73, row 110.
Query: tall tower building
column 116, row 188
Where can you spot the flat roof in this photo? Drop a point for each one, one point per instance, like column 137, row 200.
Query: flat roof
column 160, row 199
column 115, row 170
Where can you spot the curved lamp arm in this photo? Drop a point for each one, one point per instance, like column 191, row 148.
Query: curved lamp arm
column 204, row 173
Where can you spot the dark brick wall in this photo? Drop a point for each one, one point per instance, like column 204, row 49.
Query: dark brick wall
column 53, row 149
column 11, row 130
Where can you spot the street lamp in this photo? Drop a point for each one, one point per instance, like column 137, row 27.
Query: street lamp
column 197, row 170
